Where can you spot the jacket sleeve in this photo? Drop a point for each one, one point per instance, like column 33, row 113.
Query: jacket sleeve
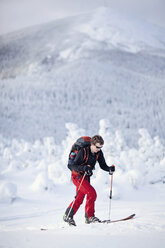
column 102, row 163
column 76, row 164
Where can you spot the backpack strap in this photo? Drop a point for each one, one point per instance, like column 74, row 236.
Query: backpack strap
column 86, row 155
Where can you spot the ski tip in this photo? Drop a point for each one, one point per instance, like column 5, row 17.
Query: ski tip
column 130, row 217
column 112, row 221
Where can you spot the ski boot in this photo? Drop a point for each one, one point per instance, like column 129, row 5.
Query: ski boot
column 92, row 219
column 69, row 219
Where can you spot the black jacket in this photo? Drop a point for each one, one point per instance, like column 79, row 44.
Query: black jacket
column 78, row 162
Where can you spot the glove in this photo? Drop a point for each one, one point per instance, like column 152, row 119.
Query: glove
column 111, row 169
column 88, row 170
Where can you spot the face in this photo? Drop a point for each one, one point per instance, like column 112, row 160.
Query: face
column 95, row 148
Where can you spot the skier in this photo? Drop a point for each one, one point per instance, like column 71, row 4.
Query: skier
column 81, row 173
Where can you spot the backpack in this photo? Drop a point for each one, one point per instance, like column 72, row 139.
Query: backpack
column 82, row 142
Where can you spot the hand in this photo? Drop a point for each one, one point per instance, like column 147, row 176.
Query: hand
column 88, row 170
column 111, row 169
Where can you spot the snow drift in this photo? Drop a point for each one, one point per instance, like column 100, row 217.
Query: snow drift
column 45, row 163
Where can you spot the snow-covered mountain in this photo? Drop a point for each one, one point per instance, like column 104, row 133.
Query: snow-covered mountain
column 81, row 69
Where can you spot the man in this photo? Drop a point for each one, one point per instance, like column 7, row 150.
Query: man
column 81, row 172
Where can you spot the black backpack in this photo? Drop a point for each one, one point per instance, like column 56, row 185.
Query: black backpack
column 82, row 142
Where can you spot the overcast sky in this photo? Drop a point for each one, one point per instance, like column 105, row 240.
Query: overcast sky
column 17, row 14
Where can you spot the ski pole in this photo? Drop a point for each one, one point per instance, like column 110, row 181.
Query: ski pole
column 110, row 194
column 76, row 195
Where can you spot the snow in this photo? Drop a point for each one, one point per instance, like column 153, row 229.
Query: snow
column 98, row 72
column 7, row 192
column 131, row 36
column 36, row 189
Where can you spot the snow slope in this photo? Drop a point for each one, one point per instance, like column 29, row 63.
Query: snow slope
column 23, row 229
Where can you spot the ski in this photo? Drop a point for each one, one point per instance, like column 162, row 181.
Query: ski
column 103, row 221
column 124, row 219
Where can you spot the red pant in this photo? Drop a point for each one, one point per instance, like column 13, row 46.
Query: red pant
column 85, row 189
